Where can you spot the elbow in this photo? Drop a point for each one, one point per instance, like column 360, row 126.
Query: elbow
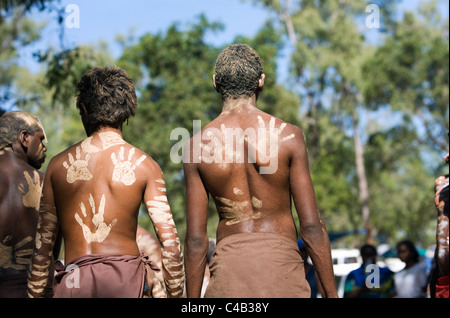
column 196, row 242
column 314, row 233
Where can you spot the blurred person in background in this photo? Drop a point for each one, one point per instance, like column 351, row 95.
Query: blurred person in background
column 411, row 281
column 370, row 280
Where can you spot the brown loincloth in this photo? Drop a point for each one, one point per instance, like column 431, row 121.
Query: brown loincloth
column 257, row 265
column 99, row 276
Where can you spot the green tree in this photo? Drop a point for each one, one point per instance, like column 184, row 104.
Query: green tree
column 8, row 6
column 403, row 195
column 410, row 72
column 330, row 74
column 16, row 32
column 327, row 52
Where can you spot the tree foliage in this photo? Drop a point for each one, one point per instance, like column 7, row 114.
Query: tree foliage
column 346, row 84
column 340, row 85
column 410, row 72
column 16, row 32
column 7, row 7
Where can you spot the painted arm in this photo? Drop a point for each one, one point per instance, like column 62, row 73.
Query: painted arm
column 47, row 228
column 312, row 228
column 171, row 257
column 196, row 241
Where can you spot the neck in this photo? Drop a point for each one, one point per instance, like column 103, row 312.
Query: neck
column 231, row 104
column 14, row 153
column 106, row 129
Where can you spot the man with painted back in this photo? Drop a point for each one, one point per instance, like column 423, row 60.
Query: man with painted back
column 251, row 164
column 22, row 153
column 93, row 192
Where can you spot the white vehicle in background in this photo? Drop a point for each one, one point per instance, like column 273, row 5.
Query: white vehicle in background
column 344, row 261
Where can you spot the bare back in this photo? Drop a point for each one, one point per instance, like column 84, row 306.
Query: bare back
column 252, row 181
column 20, row 193
column 251, row 184
column 98, row 186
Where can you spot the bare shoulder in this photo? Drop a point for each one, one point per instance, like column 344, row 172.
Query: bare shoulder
column 294, row 133
column 287, row 133
column 64, row 156
column 291, row 138
column 145, row 160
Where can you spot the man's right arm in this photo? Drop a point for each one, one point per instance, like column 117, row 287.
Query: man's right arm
column 47, row 228
column 312, row 228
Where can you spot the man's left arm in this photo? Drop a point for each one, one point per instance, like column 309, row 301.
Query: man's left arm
column 196, row 241
column 312, row 227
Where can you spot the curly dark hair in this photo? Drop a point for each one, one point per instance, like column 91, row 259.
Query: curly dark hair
column 238, row 70
column 13, row 122
column 108, row 95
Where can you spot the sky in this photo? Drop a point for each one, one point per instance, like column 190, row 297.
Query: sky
column 103, row 20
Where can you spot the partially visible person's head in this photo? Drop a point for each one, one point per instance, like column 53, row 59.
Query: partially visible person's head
column 406, row 251
column 368, row 254
column 23, row 133
column 238, row 72
column 106, row 98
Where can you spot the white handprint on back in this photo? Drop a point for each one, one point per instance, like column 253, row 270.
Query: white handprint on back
column 124, row 170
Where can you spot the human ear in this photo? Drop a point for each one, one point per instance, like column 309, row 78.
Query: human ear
column 214, row 83
column 24, row 138
column 261, row 81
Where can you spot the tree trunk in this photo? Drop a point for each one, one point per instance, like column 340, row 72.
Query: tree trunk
column 363, row 186
column 285, row 16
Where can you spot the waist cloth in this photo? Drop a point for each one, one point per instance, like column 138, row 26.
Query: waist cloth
column 257, row 265
column 100, row 276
